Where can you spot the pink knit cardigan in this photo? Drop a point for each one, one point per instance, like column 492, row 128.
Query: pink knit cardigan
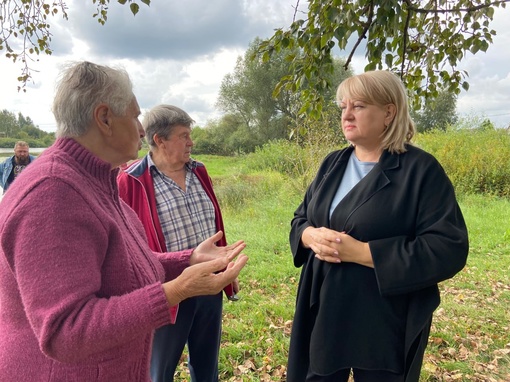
column 80, row 290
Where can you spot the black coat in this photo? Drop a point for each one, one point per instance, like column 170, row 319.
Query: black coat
column 348, row 315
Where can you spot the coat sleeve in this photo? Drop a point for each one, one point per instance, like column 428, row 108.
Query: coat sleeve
column 300, row 221
column 3, row 165
column 437, row 248
column 298, row 225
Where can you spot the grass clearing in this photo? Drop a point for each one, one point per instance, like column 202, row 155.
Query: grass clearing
column 470, row 338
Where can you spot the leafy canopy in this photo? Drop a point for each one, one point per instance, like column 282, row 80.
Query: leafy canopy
column 437, row 114
column 248, row 93
column 25, row 28
column 423, row 41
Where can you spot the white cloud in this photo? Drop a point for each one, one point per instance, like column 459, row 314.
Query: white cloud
column 489, row 77
column 179, row 52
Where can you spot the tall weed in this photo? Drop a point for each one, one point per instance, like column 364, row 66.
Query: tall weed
column 477, row 161
column 236, row 191
column 298, row 162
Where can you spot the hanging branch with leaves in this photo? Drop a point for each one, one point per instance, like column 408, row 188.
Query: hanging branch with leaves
column 423, row 41
column 25, row 28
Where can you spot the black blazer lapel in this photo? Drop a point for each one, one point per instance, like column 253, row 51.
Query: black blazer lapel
column 370, row 185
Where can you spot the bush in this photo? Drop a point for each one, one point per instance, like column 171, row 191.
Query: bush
column 8, row 143
column 234, row 192
column 298, row 161
column 476, row 160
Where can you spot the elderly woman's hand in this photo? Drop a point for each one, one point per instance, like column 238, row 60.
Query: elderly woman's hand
column 207, row 250
column 205, row 278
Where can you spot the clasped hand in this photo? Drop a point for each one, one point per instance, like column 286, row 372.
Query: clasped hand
column 336, row 247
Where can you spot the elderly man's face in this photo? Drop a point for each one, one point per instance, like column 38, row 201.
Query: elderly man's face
column 177, row 147
column 21, row 155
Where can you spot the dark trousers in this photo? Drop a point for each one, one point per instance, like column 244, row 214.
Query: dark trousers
column 199, row 325
column 359, row 376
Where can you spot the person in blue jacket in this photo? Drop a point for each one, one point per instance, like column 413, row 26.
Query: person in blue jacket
column 12, row 166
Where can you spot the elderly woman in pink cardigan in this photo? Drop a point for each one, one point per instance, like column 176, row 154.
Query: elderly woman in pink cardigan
column 81, row 293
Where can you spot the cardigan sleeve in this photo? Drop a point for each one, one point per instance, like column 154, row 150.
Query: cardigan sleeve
column 438, row 247
column 58, row 247
column 174, row 262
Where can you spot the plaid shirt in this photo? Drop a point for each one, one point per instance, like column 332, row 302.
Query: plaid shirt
column 186, row 217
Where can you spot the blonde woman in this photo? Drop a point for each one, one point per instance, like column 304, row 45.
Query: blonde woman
column 378, row 228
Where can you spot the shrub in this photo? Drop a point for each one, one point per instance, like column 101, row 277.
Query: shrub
column 476, row 160
column 234, row 192
column 8, row 143
column 298, row 162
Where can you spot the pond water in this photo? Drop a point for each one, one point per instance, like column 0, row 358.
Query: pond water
column 10, row 151
column 4, row 153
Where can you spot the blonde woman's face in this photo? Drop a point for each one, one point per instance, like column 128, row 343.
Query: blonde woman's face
column 363, row 124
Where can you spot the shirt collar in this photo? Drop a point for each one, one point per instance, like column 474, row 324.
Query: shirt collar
column 190, row 166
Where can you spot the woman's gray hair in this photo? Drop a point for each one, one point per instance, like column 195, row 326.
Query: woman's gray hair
column 81, row 88
column 162, row 119
column 381, row 87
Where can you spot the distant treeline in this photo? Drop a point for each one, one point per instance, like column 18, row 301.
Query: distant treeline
column 15, row 128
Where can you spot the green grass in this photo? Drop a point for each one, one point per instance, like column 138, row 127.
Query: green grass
column 469, row 340
column 470, row 335
column 222, row 165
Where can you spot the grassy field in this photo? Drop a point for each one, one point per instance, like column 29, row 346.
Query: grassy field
column 470, row 338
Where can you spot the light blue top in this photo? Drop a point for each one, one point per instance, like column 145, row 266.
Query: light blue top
column 355, row 171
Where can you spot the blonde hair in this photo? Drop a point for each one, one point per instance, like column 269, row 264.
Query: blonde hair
column 20, row 144
column 381, row 87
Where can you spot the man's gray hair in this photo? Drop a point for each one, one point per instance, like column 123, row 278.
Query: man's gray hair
column 162, row 119
column 82, row 87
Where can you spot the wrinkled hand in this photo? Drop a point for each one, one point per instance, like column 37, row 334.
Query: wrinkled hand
column 208, row 250
column 334, row 247
column 236, row 286
column 205, row 278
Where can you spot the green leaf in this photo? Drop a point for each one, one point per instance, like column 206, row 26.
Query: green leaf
column 371, row 66
column 134, row 8
column 388, row 59
column 147, row 2
column 324, row 40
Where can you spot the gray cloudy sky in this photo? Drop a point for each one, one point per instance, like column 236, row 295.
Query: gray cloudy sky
column 178, row 52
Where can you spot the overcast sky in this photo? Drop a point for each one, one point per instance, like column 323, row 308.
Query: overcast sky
column 178, row 52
